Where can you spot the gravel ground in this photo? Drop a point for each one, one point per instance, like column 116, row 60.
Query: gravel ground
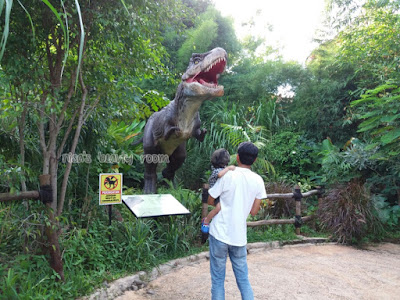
column 292, row 272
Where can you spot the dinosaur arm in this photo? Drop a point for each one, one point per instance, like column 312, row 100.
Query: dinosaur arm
column 168, row 132
column 198, row 133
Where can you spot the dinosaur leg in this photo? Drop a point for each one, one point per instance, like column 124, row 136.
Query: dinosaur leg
column 150, row 168
column 150, row 177
column 176, row 160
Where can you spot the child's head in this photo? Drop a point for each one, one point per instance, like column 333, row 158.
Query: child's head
column 220, row 158
column 248, row 153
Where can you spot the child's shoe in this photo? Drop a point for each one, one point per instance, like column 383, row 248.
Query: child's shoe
column 205, row 227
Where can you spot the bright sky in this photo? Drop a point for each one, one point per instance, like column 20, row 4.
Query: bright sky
column 293, row 22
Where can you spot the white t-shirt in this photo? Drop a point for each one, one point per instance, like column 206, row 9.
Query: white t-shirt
column 237, row 191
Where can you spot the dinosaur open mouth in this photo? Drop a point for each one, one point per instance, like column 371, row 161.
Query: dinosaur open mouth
column 209, row 77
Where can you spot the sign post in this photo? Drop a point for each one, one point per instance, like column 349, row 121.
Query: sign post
column 110, row 191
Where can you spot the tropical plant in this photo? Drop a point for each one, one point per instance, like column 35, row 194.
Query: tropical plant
column 379, row 110
column 348, row 212
column 292, row 155
column 354, row 160
column 210, row 30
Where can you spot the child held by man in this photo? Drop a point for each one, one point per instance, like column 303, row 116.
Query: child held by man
column 219, row 161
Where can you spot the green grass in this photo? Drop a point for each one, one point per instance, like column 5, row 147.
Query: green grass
column 271, row 233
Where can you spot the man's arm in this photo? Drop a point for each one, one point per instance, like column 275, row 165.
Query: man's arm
column 210, row 200
column 255, row 208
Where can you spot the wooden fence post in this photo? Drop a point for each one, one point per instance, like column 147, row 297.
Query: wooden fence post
column 204, row 210
column 320, row 192
column 297, row 197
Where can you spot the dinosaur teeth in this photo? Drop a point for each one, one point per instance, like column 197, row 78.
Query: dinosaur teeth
column 213, row 64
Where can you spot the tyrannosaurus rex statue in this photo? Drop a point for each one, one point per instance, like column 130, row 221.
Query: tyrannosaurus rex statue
column 167, row 130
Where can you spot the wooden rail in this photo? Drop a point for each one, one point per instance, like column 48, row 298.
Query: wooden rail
column 20, row 196
column 291, row 195
column 277, row 221
column 296, row 195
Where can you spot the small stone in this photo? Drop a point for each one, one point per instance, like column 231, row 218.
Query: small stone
column 138, row 282
column 150, row 292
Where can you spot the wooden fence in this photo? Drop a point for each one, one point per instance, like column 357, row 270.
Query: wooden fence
column 298, row 220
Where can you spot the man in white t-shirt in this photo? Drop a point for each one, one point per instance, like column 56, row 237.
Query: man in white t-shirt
column 240, row 193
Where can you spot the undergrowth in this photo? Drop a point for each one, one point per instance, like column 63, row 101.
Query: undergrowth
column 93, row 252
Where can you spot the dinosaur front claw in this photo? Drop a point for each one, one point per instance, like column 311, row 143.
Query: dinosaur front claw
column 202, row 134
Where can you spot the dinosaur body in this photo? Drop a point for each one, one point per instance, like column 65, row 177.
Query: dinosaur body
column 167, row 130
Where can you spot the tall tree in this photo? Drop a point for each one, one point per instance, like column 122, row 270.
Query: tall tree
column 64, row 61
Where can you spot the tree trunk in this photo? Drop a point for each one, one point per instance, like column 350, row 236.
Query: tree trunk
column 21, row 128
column 81, row 117
column 398, row 196
column 51, row 234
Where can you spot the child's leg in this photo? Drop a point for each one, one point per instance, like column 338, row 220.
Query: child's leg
column 212, row 213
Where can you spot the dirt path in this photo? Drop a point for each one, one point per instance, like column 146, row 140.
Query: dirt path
column 293, row 272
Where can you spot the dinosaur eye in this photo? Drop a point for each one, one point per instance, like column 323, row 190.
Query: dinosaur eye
column 196, row 60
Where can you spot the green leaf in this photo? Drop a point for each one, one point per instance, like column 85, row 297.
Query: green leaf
column 6, row 25
column 123, row 3
column 390, row 136
column 81, row 41
column 369, row 124
column 29, row 17
column 389, row 119
column 363, row 99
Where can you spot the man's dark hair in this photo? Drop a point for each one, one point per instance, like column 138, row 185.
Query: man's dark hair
column 220, row 158
column 247, row 152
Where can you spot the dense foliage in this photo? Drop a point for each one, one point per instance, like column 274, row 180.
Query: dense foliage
column 82, row 77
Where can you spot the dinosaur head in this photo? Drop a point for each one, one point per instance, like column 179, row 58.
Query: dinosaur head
column 201, row 77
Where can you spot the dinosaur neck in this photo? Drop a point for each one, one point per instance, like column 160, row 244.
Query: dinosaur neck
column 187, row 107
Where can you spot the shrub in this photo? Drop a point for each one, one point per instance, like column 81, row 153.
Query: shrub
column 348, row 212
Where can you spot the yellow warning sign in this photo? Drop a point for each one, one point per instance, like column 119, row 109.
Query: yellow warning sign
column 110, row 188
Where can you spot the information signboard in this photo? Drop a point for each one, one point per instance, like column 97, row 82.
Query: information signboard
column 154, row 205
